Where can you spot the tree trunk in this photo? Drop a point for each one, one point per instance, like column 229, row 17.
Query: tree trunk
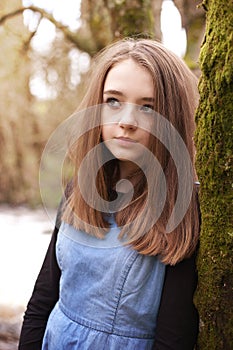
column 214, row 139
column 193, row 21
column 18, row 127
column 108, row 20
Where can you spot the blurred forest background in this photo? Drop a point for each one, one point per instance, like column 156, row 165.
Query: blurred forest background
column 42, row 84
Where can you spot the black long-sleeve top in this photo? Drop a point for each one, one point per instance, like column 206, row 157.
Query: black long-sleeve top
column 177, row 322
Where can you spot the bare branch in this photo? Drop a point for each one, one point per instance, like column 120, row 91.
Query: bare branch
column 82, row 42
column 10, row 15
column 31, row 36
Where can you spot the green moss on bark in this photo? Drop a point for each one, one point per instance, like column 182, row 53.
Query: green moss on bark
column 108, row 20
column 214, row 139
column 132, row 17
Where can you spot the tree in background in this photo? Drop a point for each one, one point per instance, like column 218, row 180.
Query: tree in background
column 193, row 21
column 16, row 122
column 26, row 121
column 108, row 20
column 214, row 140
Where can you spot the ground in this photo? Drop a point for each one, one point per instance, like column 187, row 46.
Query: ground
column 24, row 238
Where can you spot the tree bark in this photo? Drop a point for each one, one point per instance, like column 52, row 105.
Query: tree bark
column 193, row 21
column 108, row 20
column 214, row 138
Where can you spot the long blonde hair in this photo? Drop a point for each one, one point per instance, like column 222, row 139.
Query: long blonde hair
column 176, row 98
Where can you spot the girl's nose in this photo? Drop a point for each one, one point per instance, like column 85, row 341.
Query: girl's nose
column 128, row 119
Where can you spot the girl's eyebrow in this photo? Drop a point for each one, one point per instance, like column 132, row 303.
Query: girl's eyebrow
column 119, row 93
column 148, row 99
column 113, row 92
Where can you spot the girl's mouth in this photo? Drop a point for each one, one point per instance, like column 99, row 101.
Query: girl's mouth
column 123, row 139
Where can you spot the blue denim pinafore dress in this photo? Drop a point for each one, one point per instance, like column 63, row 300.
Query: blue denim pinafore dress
column 109, row 294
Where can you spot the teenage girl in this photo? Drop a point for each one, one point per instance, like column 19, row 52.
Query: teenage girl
column 114, row 277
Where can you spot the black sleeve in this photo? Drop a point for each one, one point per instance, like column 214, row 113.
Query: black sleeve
column 178, row 320
column 43, row 299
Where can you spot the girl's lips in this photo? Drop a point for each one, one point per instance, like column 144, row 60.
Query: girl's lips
column 126, row 139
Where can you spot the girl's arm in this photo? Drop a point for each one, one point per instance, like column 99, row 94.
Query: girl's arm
column 178, row 321
column 43, row 299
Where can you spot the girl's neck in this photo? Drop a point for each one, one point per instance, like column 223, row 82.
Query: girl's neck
column 130, row 171
column 127, row 169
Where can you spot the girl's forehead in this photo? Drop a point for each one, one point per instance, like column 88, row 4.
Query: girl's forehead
column 130, row 76
column 127, row 63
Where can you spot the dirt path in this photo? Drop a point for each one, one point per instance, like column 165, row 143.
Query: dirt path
column 24, row 238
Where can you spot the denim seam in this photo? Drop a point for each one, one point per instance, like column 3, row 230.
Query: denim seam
column 71, row 237
column 125, row 274
column 99, row 328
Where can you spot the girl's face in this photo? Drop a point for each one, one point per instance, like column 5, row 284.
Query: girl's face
column 127, row 115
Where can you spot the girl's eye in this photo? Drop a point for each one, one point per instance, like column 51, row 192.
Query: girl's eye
column 147, row 109
column 113, row 102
